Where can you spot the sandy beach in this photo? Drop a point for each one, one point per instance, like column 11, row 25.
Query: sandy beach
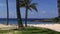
column 55, row 27
column 7, row 27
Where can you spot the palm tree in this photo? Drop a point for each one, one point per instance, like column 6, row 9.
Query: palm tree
column 20, row 25
column 29, row 6
column 33, row 6
column 7, row 12
column 59, row 10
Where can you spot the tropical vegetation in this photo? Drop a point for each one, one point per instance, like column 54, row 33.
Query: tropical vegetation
column 29, row 6
column 59, row 9
column 29, row 30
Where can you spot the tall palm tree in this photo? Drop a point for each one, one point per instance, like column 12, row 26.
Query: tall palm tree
column 29, row 6
column 20, row 25
column 7, row 12
column 59, row 9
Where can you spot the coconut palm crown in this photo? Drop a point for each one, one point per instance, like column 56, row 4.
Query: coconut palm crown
column 30, row 5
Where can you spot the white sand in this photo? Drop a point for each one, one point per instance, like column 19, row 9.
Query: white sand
column 55, row 27
column 7, row 27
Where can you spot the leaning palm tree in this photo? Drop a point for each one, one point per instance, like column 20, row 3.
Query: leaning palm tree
column 7, row 12
column 59, row 10
column 29, row 6
column 20, row 25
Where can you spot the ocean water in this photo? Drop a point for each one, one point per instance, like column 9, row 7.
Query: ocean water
column 14, row 21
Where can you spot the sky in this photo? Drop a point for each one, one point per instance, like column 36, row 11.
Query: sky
column 46, row 9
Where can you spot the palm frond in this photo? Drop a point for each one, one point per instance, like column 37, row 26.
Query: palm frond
column 22, row 3
column 33, row 6
column 30, row 6
column 30, row 9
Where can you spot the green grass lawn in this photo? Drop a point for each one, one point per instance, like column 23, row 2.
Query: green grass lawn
column 30, row 30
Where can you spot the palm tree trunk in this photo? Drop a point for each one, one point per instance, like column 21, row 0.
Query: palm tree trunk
column 20, row 25
column 7, row 12
column 26, row 15
column 59, row 10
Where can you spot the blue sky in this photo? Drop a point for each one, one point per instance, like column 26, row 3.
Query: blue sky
column 46, row 9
